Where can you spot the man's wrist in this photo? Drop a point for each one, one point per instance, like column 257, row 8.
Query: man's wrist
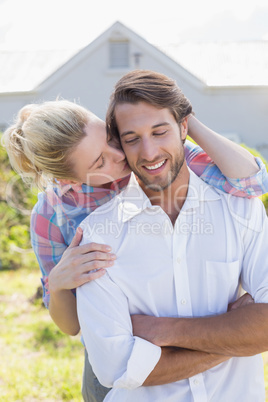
column 166, row 331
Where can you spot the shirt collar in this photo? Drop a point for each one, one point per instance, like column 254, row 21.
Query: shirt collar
column 134, row 200
column 198, row 191
column 115, row 186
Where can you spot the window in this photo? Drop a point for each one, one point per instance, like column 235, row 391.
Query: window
column 119, row 54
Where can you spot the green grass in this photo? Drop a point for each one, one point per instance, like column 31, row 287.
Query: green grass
column 38, row 362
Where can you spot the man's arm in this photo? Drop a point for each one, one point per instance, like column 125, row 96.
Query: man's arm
column 120, row 359
column 189, row 362
column 178, row 364
column 241, row 332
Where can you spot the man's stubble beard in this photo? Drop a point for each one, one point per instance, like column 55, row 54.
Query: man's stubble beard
column 172, row 174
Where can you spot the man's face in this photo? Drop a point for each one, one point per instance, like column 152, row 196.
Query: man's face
column 152, row 141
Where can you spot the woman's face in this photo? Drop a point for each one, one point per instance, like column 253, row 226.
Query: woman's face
column 97, row 160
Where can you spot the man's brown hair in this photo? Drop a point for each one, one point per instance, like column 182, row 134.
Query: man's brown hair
column 151, row 87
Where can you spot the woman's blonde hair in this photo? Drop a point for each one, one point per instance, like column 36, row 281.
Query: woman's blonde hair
column 41, row 139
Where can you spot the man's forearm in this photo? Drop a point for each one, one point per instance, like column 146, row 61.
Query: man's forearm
column 177, row 364
column 242, row 332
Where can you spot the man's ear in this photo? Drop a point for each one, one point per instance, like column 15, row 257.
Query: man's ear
column 184, row 128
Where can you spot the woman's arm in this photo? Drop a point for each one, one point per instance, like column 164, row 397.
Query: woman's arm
column 233, row 160
column 74, row 269
column 63, row 269
column 220, row 159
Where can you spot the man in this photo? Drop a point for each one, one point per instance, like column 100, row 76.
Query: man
column 183, row 250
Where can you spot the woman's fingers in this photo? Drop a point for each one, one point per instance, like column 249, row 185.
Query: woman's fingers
column 96, row 265
column 81, row 264
column 91, row 247
column 91, row 276
column 97, row 255
column 86, row 248
column 77, row 238
column 94, row 259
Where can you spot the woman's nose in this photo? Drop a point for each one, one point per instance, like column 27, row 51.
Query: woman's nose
column 116, row 153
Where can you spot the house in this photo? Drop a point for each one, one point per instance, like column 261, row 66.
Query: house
column 226, row 83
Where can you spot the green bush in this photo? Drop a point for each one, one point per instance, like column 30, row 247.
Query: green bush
column 253, row 151
column 16, row 203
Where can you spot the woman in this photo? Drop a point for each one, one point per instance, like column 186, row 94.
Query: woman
column 65, row 150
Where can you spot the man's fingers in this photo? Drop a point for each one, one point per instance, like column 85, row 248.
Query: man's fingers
column 242, row 301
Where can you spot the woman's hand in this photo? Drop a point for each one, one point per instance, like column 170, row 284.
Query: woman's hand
column 80, row 264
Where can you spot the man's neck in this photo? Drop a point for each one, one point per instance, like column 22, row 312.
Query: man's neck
column 173, row 197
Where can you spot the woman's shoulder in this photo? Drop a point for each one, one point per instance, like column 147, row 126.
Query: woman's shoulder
column 47, row 201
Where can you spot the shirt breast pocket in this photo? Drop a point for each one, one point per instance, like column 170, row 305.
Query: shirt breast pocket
column 222, row 284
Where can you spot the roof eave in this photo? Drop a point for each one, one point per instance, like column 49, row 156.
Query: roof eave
column 128, row 33
column 18, row 93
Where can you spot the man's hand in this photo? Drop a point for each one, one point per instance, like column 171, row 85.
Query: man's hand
column 242, row 301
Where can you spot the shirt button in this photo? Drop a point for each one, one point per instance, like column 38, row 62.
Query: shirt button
column 178, row 260
column 183, row 301
column 196, row 382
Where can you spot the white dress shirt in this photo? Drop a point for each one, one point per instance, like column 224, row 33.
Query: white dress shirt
column 194, row 268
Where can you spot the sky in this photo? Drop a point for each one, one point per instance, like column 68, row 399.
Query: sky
column 72, row 24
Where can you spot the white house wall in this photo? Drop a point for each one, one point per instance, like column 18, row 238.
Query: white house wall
column 242, row 111
column 10, row 105
column 238, row 111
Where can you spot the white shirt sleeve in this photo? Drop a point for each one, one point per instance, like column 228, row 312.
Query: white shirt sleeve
column 118, row 359
column 254, row 274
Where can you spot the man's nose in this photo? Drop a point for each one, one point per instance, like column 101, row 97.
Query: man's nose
column 148, row 151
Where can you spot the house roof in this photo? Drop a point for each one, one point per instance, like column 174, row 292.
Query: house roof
column 24, row 71
column 224, row 64
column 205, row 64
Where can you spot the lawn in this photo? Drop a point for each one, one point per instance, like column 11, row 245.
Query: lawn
column 38, row 362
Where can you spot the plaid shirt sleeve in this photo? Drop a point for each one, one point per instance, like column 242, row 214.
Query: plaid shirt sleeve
column 47, row 242
column 204, row 167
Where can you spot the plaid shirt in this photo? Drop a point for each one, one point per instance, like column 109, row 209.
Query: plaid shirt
column 60, row 210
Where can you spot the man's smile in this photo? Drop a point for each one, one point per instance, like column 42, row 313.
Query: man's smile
column 156, row 166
